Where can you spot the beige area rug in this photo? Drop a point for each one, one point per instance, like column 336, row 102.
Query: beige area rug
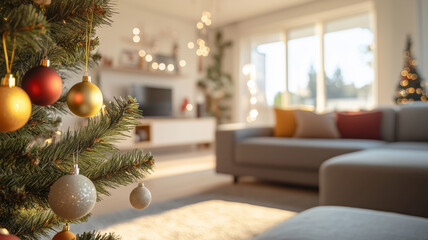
column 214, row 219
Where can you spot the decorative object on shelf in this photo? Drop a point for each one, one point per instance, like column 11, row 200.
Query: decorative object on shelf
column 140, row 197
column 85, row 99
column 217, row 85
column 5, row 235
column 65, row 234
column 42, row 84
column 15, row 104
column 72, row 196
column 410, row 87
column 129, row 58
column 186, row 108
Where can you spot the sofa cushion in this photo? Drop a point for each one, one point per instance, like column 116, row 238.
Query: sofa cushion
column 312, row 125
column 412, row 123
column 295, row 152
column 285, row 123
column 359, row 125
column 344, row 223
column 389, row 116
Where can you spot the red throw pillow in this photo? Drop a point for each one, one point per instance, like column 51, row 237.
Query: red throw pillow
column 359, row 125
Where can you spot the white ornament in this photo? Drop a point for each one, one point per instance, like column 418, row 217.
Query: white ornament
column 140, row 197
column 72, row 196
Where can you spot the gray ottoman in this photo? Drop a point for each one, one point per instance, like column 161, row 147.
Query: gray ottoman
column 344, row 223
column 390, row 180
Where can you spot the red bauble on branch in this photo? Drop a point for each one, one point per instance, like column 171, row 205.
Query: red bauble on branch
column 5, row 235
column 43, row 84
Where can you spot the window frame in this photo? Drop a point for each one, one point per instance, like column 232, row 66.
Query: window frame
column 321, row 96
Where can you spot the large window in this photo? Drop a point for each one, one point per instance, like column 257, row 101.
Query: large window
column 273, row 61
column 348, row 61
column 328, row 65
column 302, row 60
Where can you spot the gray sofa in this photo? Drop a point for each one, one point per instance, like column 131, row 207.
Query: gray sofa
column 255, row 152
column 327, row 223
column 389, row 174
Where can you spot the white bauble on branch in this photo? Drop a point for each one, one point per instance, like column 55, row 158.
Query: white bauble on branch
column 72, row 196
column 140, row 197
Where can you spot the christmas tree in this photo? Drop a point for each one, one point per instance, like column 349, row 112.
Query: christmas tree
column 410, row 88
column 35, row 155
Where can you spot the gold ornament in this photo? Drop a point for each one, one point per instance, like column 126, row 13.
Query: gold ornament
column 15, row 105
column 65, row 234
column 85, row 99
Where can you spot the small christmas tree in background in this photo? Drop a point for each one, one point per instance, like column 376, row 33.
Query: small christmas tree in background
column 410, row 87
column 36, row 197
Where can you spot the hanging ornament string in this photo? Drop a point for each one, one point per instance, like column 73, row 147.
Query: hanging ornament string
column 8, row 67
column 88, row 37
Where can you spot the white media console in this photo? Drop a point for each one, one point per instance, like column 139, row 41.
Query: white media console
column 168, row 132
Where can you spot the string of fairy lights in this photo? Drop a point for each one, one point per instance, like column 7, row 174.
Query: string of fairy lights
column 147, row 56
column 249, row 72
column 202, row 50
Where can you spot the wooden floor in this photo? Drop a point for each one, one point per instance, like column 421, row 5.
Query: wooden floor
column 191, row 174
column 177, row 174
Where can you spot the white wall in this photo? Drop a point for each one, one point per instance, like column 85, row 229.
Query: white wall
column 394, row 19
column 422, row 7
column 166, row 30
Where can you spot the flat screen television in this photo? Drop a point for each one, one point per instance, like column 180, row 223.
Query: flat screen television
column 154, row 102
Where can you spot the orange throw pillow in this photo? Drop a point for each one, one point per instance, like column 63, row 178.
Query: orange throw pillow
column 285, row 123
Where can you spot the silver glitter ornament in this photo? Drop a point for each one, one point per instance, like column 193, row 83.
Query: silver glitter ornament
column 72, row 196
column 140, row 197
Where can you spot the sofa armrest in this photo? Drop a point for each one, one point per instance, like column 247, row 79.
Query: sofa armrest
column 226, row 140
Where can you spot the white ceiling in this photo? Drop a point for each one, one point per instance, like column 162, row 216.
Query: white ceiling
column 224, row 11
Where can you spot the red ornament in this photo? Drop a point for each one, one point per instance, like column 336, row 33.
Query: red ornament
column 43, row 84
column 184, row 104
column 5, row 235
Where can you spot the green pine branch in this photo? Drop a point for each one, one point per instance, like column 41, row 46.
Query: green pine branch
column 29, row 166
column 98, row 236
column 26, row 176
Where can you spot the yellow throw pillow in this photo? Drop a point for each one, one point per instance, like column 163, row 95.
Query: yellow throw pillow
column 285, row 123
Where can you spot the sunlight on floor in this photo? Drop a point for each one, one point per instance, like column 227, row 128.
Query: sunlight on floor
column 213, row 219
column 183, row 166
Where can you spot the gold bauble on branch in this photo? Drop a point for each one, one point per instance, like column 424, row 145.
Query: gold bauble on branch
column 65, row 234
column 15, row 105
column 85, row 99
